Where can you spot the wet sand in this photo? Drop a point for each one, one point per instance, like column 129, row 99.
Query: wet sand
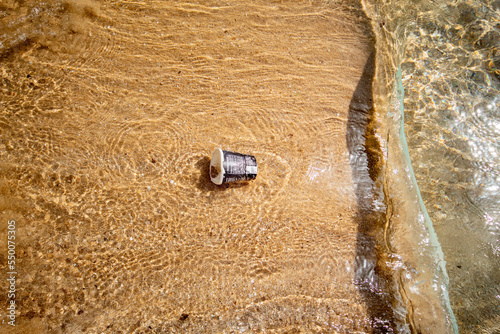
column 110, row 113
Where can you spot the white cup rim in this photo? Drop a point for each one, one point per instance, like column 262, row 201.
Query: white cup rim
column 217, row 162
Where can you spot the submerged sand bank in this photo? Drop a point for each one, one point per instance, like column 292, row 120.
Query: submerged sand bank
column 111, row 111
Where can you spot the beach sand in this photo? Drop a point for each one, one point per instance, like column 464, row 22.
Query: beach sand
column 110, row 113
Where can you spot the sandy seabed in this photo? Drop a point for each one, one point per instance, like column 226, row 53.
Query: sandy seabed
column 110, row 112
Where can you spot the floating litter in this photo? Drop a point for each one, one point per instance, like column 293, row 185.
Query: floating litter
column 227, row 166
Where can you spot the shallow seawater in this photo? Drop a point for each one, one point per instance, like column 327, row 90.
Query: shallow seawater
column 453, row 126
column 110, row 111
column 449, row 56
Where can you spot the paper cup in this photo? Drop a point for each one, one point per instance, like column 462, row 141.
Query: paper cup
column 227, row 166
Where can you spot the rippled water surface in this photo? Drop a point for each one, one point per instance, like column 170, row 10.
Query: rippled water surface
column 110, row 111
column 454, row 139
column 449, row 56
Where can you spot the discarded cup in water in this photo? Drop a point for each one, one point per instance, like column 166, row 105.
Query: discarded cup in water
column 227, row 166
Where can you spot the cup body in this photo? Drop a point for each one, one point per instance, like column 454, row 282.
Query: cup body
column 227, row 166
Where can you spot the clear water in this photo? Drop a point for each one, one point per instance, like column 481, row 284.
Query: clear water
column 376, row 128
column 449, row 56
column 111, row 111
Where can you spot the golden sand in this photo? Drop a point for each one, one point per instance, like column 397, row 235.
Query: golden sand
column 110, row 112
